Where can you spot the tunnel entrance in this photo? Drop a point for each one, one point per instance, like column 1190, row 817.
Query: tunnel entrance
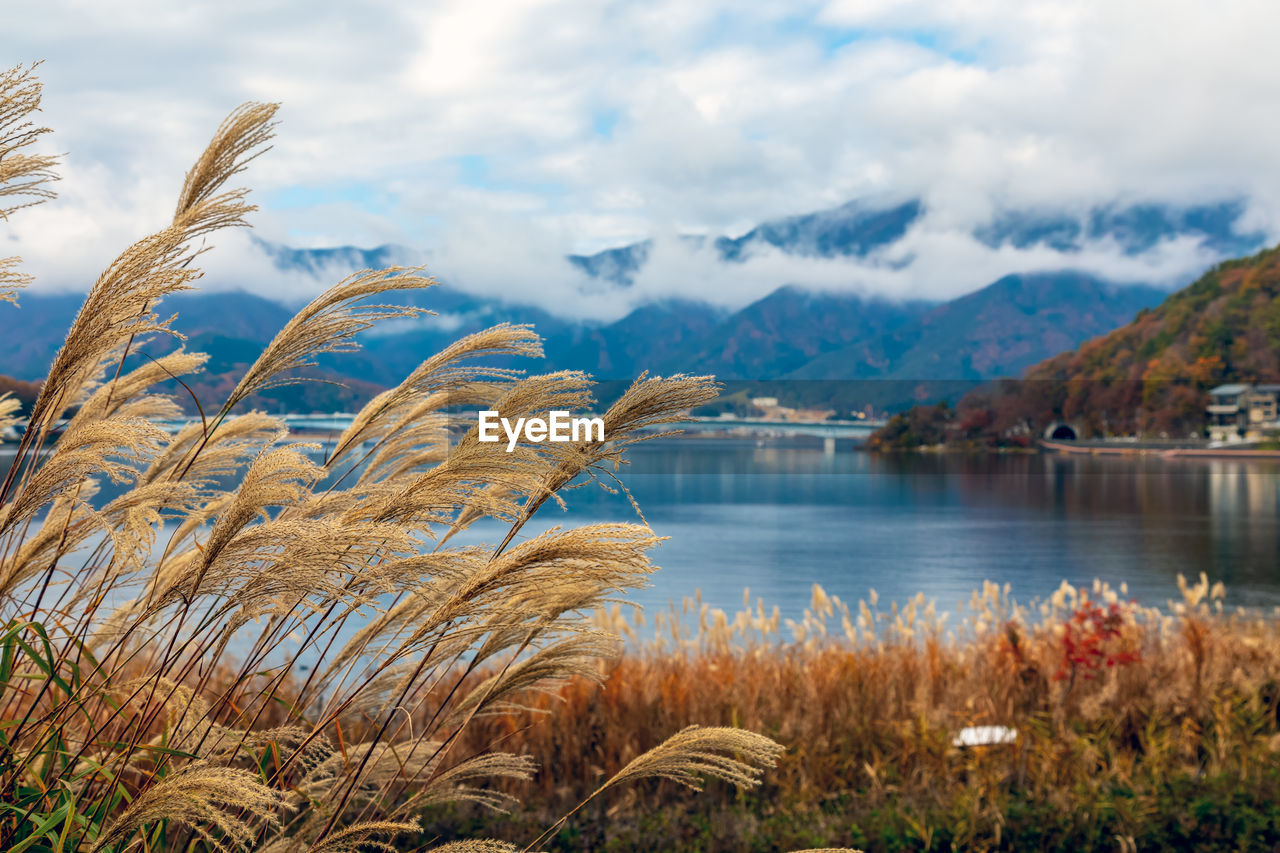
column 1062, row 432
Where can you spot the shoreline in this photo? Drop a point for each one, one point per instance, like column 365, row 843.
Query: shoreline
column 1138, row 449
column 1083, row 448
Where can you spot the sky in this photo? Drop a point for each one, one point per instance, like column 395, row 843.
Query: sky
column 493, row 138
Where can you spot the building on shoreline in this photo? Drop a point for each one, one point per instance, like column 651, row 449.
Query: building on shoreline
column 1240, row 411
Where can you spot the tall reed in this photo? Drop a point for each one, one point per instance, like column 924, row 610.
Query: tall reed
column 259, row 646
column 1080, row 722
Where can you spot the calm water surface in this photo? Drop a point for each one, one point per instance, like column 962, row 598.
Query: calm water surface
column 778, row 519
column 779, row 516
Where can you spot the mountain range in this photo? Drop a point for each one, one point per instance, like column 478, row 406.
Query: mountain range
column 798, row 339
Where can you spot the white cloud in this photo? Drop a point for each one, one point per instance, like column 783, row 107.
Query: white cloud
column 946, row 262
column 501, row 136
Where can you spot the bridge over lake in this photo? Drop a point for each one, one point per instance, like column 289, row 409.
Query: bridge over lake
column 857, row 430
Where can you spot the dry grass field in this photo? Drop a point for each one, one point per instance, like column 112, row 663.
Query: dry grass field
column 1137, row 728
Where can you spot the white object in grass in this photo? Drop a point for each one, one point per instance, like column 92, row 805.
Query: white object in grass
column 985, row 736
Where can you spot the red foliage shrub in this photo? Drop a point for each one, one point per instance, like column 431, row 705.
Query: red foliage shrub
column 1093, row 639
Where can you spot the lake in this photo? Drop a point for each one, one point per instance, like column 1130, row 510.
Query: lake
column 780, row 516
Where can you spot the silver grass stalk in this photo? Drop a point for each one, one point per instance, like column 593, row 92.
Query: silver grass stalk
column 202, row 798
column 695, row 752
column 24, row 177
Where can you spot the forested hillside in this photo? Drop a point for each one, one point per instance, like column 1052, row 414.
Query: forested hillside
column 1148, row 377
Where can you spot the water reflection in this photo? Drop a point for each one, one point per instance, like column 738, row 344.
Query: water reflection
column 780, row 517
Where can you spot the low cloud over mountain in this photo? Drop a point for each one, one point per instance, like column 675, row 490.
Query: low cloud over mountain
column 735, row 312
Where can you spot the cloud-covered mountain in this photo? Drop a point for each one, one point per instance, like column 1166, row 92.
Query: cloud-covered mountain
column 793, row 333
column 859, row 230
column 319, row 262
column 505, row 141
column 998, row 331
column 853, row 230
column 1135, row 228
